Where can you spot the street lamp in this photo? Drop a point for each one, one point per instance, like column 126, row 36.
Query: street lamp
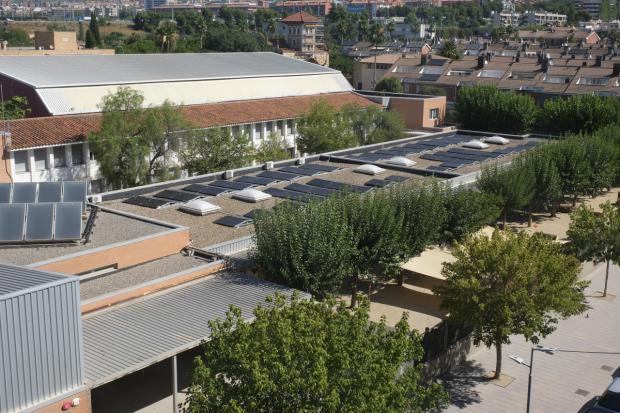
column 520, row 360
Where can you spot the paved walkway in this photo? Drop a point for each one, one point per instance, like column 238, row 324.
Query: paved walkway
column 562, row 382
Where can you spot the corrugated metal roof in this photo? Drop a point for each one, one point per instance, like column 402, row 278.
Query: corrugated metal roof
column 88, row 70
column 127, row 338
column 14, row 279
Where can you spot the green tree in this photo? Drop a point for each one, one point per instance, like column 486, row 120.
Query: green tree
column 372, row 124
column 308, row 356
column 488, row 108
column 17, row 107
column 390, row 27
column 93, row 27
column 596, row 237
column 449, row 50
column 376, row 37
column 167, row 36
column 514, row 186
column 133, row 143
column 90, row 40
column 468, row 211
column 390, row 84
column 572, row 163
column 605, row 12
column 412, row 20
column 274, row 148
column 323, row 129
column 309, row 248
column 80, row 34
column 511, row 284
column 216, row 150
column 578, row 113
column 548, row 185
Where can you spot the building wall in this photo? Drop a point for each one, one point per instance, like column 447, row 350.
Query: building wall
column 417, row 111
column 59, row 41
column 40, row 345
column 56, row 405
column 121, row 255
column 363, row 74
column 12, row 88
column 34, row 52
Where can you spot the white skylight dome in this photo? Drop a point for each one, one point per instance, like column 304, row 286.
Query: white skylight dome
column 475, row 144
column 250, row 195
column 368, row 169
column 497, row 140
column 400, row 161
column 199, row 207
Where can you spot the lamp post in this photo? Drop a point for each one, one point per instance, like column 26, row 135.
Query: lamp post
column 520, row 360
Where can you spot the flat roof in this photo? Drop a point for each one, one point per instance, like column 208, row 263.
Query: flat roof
column 109, row 228
column 15, row 279
column 90, row 70
column 128, row 337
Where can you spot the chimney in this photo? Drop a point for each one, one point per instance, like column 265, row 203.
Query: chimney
column 539, row 57
column 485, row 46
column 544, row 65
column 489, row 55
column 616, row 70
column 481, row 62
column 518, row 58
column 424, row 59
column 584, row 63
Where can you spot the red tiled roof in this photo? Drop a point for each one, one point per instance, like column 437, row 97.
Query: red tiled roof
column 301, row 17
column 58, row 130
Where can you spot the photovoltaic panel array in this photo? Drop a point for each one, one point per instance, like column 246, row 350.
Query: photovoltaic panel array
column 337, row 186
column 206, row 190
column 33, row 192
column 176, row 195
column 147, row 202
column 40, row 222
column 235, row 186
column 256, row 180
column 74, row 191
column 298, row 170
column 280, row 176
column 308, row 189
column 233, row 221
column 290, row 195
column 24, row 192
column 5, row 193
column 320, row 167
column 50, row 192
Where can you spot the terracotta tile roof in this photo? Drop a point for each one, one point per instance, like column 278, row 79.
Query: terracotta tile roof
column 301, row 17
column 59, row 130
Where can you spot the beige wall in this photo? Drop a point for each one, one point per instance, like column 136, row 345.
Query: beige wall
column 60, row 41
column 5, row 163
column 363, row 73
column 416, row 111
column 123, row 256
column 33, row 52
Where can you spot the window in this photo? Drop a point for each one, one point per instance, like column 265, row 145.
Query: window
column 434, row 113
column 269, row 127
column 236, row 130
column 496, row 74
column 558, row 79
column 59, row 157
column 21, row 161
column 593, row 81
column 289, row 125
column 40, row 159
column 258, row 129
column 280, row 127
column 77, row 154
column 522, row 75
column 463, row 72
column 369, row 66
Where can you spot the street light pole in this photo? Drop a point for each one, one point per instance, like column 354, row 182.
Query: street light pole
column 548, row 350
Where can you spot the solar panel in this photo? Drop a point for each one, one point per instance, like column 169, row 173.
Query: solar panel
column 390, row 152
column 237, row 186
column 285, row 194
column 379, row 183
column 147, row 202
column 253, row 212
column 369, row 157
column 12, row 222
column 320, row 167
column 337, row 186
column 299, row 171
column 280, row 176
column 176, row 195
column 50, row 192
column 68, row 222
column 74, row 191
column 233, row 221
column 256, row 180
column 206, row 190
column 437, row 168
column 5, row 193
column 396, row 178
column 40, row 222
column 24, row 192
column 307, row 189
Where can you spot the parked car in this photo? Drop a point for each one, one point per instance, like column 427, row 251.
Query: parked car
column 609, row 402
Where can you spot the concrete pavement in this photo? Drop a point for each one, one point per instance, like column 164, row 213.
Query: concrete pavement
column 562, row 382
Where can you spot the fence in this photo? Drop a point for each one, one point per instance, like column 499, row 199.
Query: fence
column 443, row 336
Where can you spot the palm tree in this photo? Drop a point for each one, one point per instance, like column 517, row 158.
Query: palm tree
column 449, row 50
column 376, row 37
column 390, row 27
column 167, row 36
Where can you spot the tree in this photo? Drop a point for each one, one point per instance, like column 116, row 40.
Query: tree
column 468, row 211
column 578, row 113
column 412, row 20
column 377, row 36
column 133, row 143
column 167, row 36
column 390, row 27
column 596, row 237
column 323, row 129
column 216, row 150
column 605, row 12
column 449, row 50
column 511, row 284
column 80, row 35
column 17, row 107
column 487, row 108
column 309, row 356
column 514, row 186
column 548, row 185
column 90, row 40
column 93, row 27
column 274, row 148
column 372, row 124
column 390, row 84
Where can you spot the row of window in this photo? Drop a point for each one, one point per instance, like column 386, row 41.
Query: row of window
column 269, row 127
column 41, row 161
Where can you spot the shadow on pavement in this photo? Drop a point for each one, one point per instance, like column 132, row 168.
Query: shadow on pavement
column 588, row 405
column 461, row 382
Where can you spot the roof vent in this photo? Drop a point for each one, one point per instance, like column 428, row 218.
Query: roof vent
column 475, row 144
column 369, row 169
column 269, row 165
column 250, row 195
column 199, row 207
column 229, row 174
column 400, row 161
column 497, row 140
column 301, row 161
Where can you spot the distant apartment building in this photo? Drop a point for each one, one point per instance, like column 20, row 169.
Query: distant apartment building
column 543, row 18
column 593, row 7
column 558, row 36
column 506, row 18
column 320, row 8
column 300, row 32
column 152, row 4
column 369, row 71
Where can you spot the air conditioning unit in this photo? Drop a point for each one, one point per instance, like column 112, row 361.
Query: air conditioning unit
column 269, row 165
column 95, row 199
column 301, row 161
column 229, row 174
